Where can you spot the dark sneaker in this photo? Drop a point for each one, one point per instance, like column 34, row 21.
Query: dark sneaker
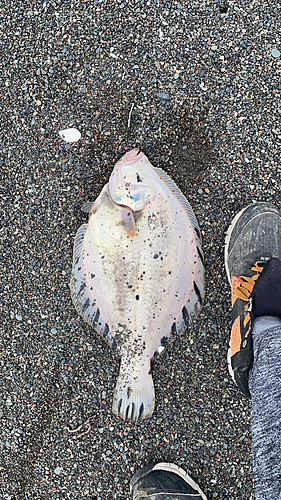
column 253, row 267
column 164, row 482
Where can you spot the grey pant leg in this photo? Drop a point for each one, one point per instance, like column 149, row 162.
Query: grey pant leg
column 265, row 389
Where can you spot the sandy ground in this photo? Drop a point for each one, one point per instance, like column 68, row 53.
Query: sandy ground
column 205, row 86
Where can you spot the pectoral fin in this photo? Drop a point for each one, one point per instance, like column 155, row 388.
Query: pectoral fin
column 129, row 222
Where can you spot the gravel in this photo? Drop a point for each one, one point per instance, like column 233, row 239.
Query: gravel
column 204, row 79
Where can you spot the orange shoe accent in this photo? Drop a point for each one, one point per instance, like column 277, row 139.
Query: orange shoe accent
column 242, row 294
column 250, row 280
column 247, row 286
column 255, row 277
column 257, row 268
column 235, row 339
column 246, row 320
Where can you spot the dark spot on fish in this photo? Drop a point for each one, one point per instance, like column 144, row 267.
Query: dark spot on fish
column 85, row 305
column 169, row 272
column 200, row 255
column 127, row 412
column 197, row 291
column 130, row 286
column 137, row 297
column 197, row 232
column 141, row 411
column 164, row 341
column 138, row 178
column 156, row 256
column 133, row 411
column 83, row 285
column 79, row 269
column 129, row 392
column 185, row 316
column 92, row 275
column 106, row 330
column 174, row 329
column 76, row 261
column 96, row 318
column 119, row 406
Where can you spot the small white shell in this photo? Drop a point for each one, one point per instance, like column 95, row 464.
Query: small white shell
column 70, row 135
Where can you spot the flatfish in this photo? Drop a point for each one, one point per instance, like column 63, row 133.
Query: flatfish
column 138, row 274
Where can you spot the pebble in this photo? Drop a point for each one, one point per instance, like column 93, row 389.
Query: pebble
column 70, row 135
column 275, row 53
column 162, row 95
column 58, row 470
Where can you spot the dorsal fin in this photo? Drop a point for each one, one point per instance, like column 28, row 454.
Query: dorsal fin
column 174, row 188
column 87, row 207
column 194, row 303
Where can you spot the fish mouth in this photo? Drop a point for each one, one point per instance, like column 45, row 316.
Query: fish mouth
column 131, row 182
column 127, row 208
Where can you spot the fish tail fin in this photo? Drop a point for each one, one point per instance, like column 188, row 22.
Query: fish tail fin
column 134, row 396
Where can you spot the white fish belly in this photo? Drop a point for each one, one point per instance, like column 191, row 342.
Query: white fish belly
column 141, row 283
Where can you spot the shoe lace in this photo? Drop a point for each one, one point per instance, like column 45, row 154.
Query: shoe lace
column 245, row 288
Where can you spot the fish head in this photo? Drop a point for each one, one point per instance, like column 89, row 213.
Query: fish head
column 132, row 182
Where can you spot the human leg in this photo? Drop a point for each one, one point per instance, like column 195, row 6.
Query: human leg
column 265, row 389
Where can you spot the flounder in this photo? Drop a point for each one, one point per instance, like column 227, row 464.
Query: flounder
column 138, row 273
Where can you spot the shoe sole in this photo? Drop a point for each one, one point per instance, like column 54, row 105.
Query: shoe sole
column 169, row 468
column 231, row 372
